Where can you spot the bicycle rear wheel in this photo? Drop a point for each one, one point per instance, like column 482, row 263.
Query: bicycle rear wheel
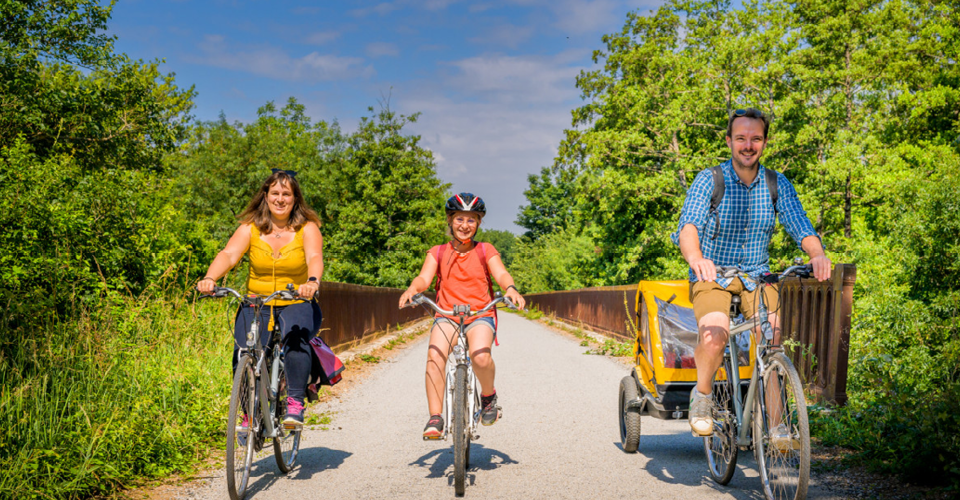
column 241, row 420
column 721, row 447
column 783, row 455
column 286, row 445
column 460, row 430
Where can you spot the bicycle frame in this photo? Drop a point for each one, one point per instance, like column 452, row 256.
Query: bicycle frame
column 461, row 356
column 264, row 378
column 745, row 418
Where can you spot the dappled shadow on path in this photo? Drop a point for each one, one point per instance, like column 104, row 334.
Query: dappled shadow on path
column 439, row 462
column 264, row 473
column 679, row 458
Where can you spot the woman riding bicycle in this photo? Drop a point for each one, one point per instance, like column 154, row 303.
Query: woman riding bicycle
column 282, row 235
column 465, row 268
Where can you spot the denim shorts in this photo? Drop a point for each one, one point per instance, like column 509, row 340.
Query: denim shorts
column 485, row 320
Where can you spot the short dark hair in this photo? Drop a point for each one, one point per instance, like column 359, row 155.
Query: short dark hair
column 748, row 113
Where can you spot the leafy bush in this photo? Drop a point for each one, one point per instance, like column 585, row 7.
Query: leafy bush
column 136, row 387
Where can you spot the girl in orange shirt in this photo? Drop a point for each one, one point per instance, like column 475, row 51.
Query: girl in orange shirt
column 464, row 279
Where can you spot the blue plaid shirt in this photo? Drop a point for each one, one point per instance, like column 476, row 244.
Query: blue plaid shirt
column 747, row 220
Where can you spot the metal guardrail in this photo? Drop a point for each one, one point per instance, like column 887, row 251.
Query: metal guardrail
column 815, row 315
column 353, row 314
column 607, row 309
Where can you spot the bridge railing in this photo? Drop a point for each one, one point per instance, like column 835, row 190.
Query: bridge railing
column 352, row 314
column 815, row 317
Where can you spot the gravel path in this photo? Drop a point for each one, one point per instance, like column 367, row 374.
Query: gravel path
column 558, row 438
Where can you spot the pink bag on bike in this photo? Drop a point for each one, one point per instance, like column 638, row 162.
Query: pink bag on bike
column 326, row 367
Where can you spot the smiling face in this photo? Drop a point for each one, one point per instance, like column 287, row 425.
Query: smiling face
column 464, row 225
column 746, row 141
column 280, row 200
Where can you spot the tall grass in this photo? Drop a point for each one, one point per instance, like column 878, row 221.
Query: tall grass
column 131, row 388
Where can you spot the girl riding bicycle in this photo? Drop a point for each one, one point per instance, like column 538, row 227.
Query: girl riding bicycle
column 465, row 268
column 282, row 235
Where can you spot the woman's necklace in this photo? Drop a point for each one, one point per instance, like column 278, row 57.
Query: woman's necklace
column 277, row 231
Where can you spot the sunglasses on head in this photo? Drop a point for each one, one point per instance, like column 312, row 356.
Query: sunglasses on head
column 749, row 113
column 291, row 173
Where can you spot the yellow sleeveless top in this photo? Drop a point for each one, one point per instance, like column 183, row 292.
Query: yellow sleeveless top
column 269, row 274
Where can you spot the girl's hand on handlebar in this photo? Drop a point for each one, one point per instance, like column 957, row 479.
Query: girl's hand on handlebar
column 515, row 297
column 407, row 295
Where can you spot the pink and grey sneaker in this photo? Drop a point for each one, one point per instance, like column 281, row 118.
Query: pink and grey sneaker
column 293, row 420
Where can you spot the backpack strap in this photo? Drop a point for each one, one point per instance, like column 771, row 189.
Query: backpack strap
column 440, row 249
column 483, row 258
column 719, row 186
column 771, row 176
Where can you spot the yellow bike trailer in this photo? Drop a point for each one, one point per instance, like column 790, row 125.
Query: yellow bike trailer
column 665, row 372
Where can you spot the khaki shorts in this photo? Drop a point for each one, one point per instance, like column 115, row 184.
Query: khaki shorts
column 708, row 297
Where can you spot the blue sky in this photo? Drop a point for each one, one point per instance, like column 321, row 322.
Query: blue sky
column 494, row 81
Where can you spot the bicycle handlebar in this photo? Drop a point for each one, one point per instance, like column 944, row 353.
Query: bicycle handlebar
column 800, row 271
column 458, row 310
column 222, row 291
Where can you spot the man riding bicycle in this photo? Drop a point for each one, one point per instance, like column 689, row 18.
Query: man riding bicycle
column 736, row 232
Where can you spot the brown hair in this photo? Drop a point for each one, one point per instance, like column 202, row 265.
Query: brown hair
column 258, row 212
column 748, row 113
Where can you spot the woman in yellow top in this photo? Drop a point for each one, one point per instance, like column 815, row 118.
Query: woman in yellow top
column 282, row 235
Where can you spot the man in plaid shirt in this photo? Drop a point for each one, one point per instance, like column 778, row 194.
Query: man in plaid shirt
column 738, row 235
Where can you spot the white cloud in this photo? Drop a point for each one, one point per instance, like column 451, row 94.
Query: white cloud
column 492, row 121
column 380, row 49
column 380, row 9
column 321, row 37
column 517, row 78
column 275, row 63
column 506, row 35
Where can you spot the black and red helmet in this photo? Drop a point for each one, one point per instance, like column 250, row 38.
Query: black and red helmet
column 466, row 202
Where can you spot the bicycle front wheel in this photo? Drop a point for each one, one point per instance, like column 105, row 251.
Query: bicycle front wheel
column 781, row 432
column 460, row 430
column 286, row 445
column 721, row 447
column 241, row 434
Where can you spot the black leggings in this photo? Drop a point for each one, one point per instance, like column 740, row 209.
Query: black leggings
column 298, row 323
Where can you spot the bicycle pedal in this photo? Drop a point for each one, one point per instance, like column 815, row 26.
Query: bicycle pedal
column 432, row 438
column 292, row 427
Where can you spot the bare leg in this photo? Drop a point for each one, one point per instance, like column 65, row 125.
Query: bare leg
column 442, row 337
column 772, row 389
column 714, row 329
column 480, row 339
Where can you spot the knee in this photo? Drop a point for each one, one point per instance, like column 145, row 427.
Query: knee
column 482, row 360
column 435, row 357
column 713, row 332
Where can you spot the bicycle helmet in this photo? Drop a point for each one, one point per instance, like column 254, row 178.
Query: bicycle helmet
column 466, row 202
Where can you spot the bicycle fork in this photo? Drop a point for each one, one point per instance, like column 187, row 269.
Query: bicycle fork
column 272, row 379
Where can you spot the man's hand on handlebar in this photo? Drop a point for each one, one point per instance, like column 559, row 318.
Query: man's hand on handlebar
column 821, row 267
column 704, row 269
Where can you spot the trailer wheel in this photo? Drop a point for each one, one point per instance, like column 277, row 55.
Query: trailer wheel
column 629, row 417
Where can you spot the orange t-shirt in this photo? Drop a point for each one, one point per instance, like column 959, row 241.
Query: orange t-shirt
column 463, row 279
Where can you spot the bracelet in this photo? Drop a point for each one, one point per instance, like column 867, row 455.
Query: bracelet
column 514, row 288
column 208, row 278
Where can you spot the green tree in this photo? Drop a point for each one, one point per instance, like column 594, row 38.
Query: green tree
column 388, row 211
column 549, row 207
column 561, row 260
column 504, row 241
